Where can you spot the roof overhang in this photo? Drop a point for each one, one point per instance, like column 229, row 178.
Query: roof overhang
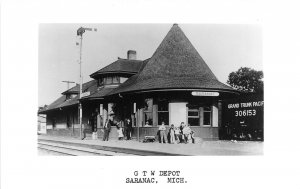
column 180, row 89
column 58, row 108
column 93, row 75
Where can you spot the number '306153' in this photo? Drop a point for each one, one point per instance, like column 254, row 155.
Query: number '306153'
column 245, row 113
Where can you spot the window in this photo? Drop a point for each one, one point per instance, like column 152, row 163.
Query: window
column 100, row 82
column 112, row 80
column 148, row 111
column 207, row 115
column 163, row 111
column 116, row 79
column 108, row 80
column 70, row 96
column 123, row 79
column 193, row 115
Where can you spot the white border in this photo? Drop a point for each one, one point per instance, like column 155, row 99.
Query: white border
column 22, row 168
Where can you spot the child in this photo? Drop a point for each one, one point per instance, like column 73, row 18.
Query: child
column 120, row 132
column 192, row 136
column 172, row 134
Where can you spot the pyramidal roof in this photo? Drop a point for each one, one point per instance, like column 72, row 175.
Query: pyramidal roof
column 176, row 57
column 175, row 64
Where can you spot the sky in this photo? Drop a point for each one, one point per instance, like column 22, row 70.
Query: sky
column 224, row 48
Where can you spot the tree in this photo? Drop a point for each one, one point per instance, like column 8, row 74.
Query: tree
column 247, row 80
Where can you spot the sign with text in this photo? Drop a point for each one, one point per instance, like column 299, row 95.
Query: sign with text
column 202, row 93
column 244, row 111
column 243, row 118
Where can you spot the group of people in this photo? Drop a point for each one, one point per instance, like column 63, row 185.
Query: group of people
column 122, row 130
column 177, row 134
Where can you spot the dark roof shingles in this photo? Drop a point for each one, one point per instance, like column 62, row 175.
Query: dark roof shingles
column 120, row 66
column 175, row 64
column 85, row 86
column 99, row 93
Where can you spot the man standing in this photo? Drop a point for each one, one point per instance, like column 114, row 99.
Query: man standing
column 162, row 132
column 128, row 128
column 107, row 127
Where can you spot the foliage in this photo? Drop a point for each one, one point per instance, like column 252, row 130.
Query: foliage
column 246, row 80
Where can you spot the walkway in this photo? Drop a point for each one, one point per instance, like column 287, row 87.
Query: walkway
column 202, row 148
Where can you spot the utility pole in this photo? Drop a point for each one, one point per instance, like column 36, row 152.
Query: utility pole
column 80, row 31
column 68, row 83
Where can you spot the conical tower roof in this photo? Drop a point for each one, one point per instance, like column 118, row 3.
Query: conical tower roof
column 175, row 64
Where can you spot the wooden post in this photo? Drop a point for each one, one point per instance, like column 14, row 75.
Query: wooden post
column 220, row 113
column 201, row 116
column 138, row 125
column 155, row 115
column 105, row 114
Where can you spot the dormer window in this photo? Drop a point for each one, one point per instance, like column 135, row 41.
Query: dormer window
column 109, row 80
column 100, row 81
column 116, row 79
column 70, row 96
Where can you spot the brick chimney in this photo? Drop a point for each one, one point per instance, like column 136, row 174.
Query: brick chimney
column 131, row 55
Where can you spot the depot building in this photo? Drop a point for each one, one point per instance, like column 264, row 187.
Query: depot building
column 174, row 85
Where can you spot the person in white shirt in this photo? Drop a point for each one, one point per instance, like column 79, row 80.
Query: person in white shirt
column 162, row 132
column 186, row 132
column 120, row 131
column 147, row 124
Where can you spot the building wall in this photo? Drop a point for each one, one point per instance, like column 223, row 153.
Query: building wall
column 42, row 124
column 178, row 106
column 69, row 132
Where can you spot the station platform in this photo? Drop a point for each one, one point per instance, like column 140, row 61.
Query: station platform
column 218, row 147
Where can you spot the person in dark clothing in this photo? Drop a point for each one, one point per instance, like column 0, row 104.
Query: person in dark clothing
column 107, row 127
column 128, row 129
column 83, row 132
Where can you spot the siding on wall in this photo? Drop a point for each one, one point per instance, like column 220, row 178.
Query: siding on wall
column 61, row 125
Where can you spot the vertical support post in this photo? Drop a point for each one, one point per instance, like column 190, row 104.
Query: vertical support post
column 215, row 115
column 80, row 88
column 155, row 115
column 80, row 31
column 105, row 113
column 73, row 123
column 138, row 124
column 201, row 112
column 220, row 113
column 101, row 116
